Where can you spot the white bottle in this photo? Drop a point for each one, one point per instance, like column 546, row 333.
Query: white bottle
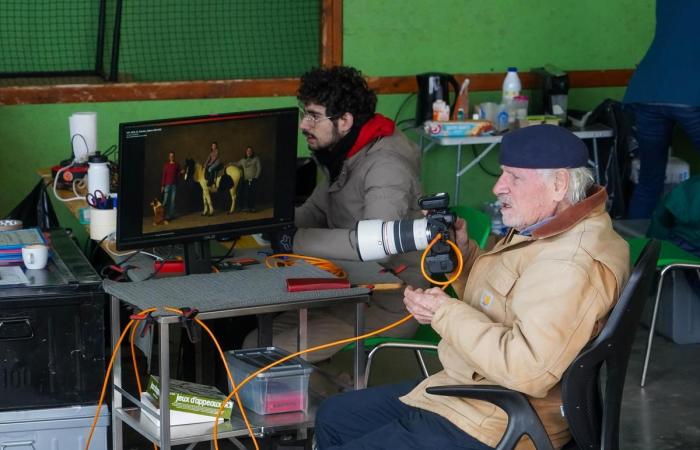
column 511, row 85
column 98, row 174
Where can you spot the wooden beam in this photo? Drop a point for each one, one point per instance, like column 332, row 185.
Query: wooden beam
column 331, row 32
column 18, row 95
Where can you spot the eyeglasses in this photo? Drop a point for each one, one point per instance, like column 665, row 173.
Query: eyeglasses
column 312, row 118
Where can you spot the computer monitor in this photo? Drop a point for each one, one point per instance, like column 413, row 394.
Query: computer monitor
column 163, row 202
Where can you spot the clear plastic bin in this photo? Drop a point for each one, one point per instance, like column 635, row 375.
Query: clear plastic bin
column 282, row 388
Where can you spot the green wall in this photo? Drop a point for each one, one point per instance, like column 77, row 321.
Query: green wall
column 391, row 37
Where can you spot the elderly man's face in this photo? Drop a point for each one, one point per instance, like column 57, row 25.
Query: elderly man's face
column 527, row 196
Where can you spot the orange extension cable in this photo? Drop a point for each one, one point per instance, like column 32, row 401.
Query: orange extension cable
column 269, row 262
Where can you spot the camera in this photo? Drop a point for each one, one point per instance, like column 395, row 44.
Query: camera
column 377, row 239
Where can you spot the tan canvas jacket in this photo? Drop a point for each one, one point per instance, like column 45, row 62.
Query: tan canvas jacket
column 528, row 308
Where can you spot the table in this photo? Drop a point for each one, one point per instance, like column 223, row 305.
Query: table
column 227, row 294
column 427, row 142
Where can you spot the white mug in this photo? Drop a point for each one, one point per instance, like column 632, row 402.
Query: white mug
column 35, row 256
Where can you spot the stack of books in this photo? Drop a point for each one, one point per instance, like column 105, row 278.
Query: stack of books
column 12, row 241
column 188, row 402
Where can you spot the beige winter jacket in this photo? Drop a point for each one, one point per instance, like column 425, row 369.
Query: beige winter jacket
column 528, row 308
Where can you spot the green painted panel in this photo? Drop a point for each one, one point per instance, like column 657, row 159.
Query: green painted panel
column 400, row 37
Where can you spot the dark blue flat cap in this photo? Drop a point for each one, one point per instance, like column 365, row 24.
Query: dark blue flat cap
column 543, row 147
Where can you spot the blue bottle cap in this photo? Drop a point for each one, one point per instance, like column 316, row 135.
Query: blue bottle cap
column 512, row 69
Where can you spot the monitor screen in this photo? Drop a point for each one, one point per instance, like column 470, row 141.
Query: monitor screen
column 199, row 178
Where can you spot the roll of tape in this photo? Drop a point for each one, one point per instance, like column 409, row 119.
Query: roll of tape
column 103, row 222
column 10, row 224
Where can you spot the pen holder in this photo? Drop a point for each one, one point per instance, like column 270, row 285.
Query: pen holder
column 103, row 222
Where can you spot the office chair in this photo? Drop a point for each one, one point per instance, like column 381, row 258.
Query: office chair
column 670, row 257
column 479, row 229
column 591, row 407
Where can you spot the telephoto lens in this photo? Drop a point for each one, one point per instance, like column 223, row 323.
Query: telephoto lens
column 377, row 239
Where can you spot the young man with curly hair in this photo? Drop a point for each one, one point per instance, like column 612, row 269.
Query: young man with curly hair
column 372, row 171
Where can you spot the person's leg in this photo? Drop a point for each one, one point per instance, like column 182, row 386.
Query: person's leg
column 689, row 119
column 323, row 326
column 348, row 416
column 244, row 195
column 375, row 418
column 654, row 127
column 170, row 192
column 251, row 194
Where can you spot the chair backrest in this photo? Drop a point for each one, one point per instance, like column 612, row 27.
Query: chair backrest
column 594, row 416
column 478, row 223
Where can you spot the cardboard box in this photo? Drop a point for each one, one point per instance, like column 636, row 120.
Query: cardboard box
column 176, row 417
column 457, row 129
column 190, row 397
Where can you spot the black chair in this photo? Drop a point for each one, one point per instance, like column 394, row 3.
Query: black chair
column 591, row 403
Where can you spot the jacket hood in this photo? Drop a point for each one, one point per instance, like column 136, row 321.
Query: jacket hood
column 377, row 126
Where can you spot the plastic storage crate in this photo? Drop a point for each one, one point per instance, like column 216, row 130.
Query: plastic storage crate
column 54, row 428
column 678, row 318
column 283, row 388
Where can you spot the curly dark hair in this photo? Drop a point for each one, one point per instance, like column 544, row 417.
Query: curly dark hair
column 340, row 89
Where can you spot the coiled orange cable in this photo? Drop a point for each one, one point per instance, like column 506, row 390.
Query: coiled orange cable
column 288, row 259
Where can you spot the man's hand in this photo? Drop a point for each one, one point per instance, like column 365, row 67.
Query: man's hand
column 422, row 304
column 461, row 236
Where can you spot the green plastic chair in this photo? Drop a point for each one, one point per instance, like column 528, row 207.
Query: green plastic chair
column 671, row 257
column 425, row 338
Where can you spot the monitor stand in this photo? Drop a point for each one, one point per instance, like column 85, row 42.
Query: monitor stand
column 197, row 257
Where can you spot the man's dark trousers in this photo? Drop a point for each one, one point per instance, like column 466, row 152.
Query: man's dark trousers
column 376, row 419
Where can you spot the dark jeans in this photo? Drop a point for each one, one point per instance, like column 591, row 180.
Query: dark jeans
column 169, row 192
column 247, row 193
column 375, row 418
column 654, row 125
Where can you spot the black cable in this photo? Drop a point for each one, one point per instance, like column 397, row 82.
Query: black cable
column 403, row 103
column 481, row 165
column 110, row 150
column 97, row 245
column 218, row 259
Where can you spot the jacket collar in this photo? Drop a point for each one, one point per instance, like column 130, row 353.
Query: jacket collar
column 565, row 220
column 574, row 214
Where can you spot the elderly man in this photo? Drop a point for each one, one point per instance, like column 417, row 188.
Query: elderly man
column 526, row 309
column 372, row 171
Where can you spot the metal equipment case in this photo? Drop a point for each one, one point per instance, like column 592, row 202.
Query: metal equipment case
column 52, row 333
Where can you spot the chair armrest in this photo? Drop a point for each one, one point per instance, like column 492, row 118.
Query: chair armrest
column 408, row 344
column 522, row 418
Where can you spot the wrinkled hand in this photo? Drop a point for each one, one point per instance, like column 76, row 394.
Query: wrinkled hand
column 423, row 304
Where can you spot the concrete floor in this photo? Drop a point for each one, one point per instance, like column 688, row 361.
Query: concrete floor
column 665, row 415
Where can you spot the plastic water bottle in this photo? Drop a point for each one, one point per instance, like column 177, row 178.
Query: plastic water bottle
column 98, row 174
column 511, row 85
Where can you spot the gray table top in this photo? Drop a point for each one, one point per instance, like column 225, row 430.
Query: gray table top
column 252, row 290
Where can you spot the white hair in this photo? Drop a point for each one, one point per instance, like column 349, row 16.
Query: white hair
column 580, row 181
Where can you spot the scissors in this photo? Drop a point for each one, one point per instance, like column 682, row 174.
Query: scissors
column 98, row 200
